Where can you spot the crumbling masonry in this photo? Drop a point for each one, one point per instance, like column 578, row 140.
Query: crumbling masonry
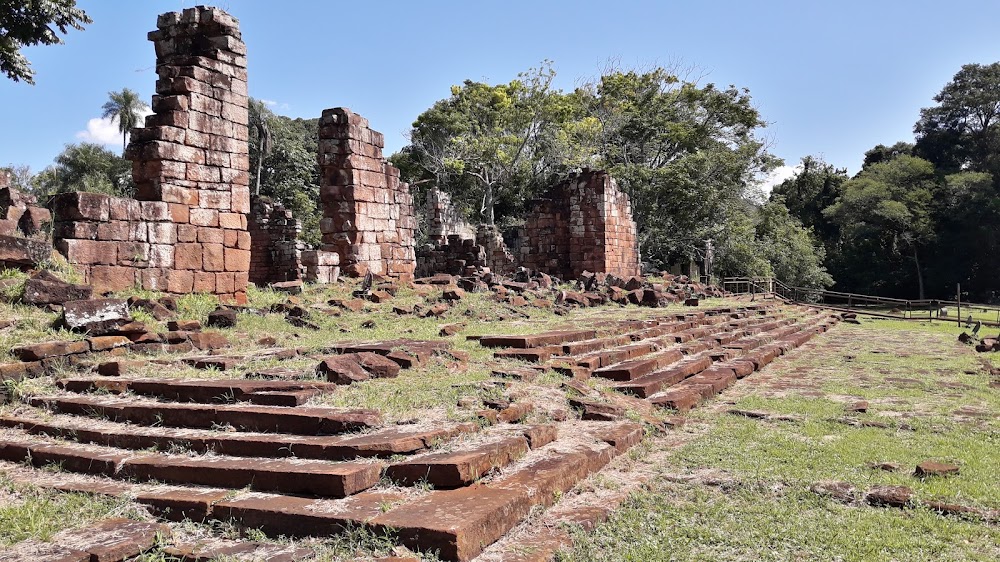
column 367, row 212
column 582, row 224
column 187, row 230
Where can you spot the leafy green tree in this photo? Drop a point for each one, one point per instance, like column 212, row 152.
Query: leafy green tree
column 126, row 108
column 687, row 154
column 86, row 167
column 883, row 153
column 795, row 256
column 488, row 141
column 813, row 188
column 33, row 22
column 285, row 168
column 885, row 213
column 962, row 132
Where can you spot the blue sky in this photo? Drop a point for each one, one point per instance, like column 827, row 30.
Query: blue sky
column 833, row 78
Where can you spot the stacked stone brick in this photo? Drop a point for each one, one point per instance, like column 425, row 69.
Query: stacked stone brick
column 498, row 256
column 583, row 224
column 368, row 213
column 452, row 257
column 443, row 219
column 20, row 213
column 188, row 231
column 275, row 249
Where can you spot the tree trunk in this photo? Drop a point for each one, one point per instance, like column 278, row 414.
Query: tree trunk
column 488, row 205
column 260, row 160
column 920, row 274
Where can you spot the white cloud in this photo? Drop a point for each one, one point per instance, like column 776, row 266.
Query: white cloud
column 269, row 103
column 102, row 130
column 778, row 175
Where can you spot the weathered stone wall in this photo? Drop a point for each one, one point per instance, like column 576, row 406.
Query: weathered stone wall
column 452, row 257
column 444, row 220
column 367, row 212
column 188, row 231
column 498, row 256
column 582, row 224
column 19, row 212
column 275, row 251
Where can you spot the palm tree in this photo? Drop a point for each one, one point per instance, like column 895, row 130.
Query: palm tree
column 126, row 107
column 259, row 121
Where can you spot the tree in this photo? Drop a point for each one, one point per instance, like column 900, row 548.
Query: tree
column 962, row 132
column 260, row 119
column 795, row 256
column 86, row 167
column 688, row 155
column 885, row 213
column 491, row 135
column 814, row 187
column 126, row 108
column 883, row 153
column 33, row 22
column 284, row 165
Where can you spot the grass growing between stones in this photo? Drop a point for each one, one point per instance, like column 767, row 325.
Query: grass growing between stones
column 676, row 521
column 30, row 512
column 929, row 392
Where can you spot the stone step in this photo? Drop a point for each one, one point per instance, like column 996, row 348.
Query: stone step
column 544, row 339
column 294, row 476
column 455, row 469
column 175, row 503
column 110, row 540
column 213, row 391
column 650, row 384
column 635, row 368
column 299, row 420
column 381, row 443
column 459, row 524
column 213, row 549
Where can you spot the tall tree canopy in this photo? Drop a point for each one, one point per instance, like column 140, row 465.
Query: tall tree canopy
column 86, row 167
column 962, row 132
column 283, row 164
column 885, row 213
column 126, row 108
column 24, row 23
column 687, row 154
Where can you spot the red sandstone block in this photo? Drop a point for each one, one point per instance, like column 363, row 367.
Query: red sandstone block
column 210, row 235
column 179, row 214
column 180, row 281
column 213, row 257
column 112, row 278
column 225, row 282
column 204, row 282
column 124, row 209
column 188, row 256
column 221, row 200
column 240, row 199
column 88, row 251
column 187, row 232
column 205, row 217
column 155, row 279
column 237, row 260
column 231, row 220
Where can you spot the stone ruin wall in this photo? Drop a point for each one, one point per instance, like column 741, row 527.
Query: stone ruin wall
column 275, row 250
column 444, row 220
column 583, row 224
column 367, row 212
column 276, row 253
column 498, row 256
column 187, row 229
column 20, row 214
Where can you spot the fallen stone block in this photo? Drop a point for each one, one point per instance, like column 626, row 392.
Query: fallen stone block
column 95, row 315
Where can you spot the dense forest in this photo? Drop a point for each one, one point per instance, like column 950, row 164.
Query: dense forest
column 917, row 219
